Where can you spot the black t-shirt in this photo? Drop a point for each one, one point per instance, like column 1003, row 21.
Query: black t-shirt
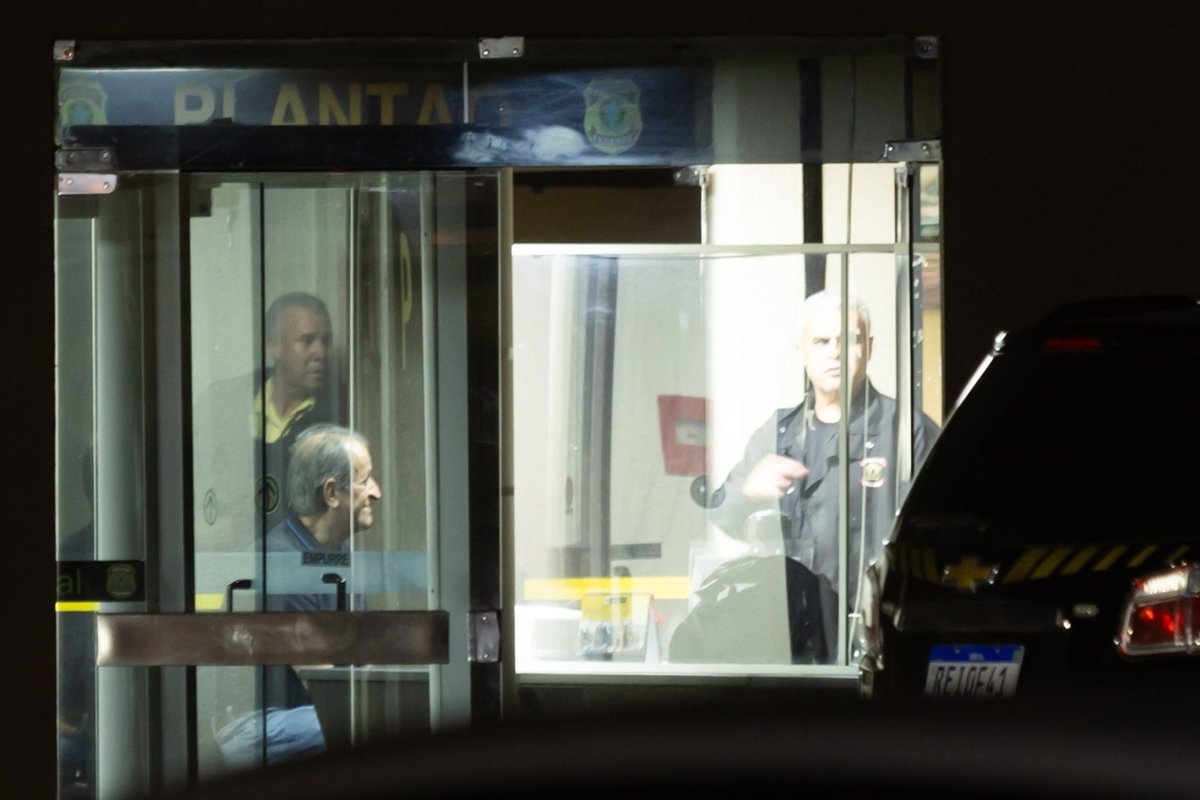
column 821, row 442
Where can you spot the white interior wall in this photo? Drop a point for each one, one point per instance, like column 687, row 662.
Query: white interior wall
column 307, row 236
column 222, row 288
column 543, row 322
column 753, row 363
column 659, row 350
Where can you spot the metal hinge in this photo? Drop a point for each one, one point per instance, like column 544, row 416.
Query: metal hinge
column 483, row 634
column 691, row 176
column 64, row 50
column 502, row 47
column 85, row 170
column 86, row 183
column 914, row 150
column 85, row 159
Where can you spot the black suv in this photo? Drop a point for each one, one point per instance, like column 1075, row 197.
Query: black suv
column 1047, row 543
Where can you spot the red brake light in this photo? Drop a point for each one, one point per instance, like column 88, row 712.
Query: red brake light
column 1073, row 344
column 1156, row 624
column 1162, row 614
column 1166, row 620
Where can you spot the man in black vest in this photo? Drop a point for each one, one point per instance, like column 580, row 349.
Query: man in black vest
column 791, row 464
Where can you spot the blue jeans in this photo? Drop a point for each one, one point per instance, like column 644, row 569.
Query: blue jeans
column 291, row 733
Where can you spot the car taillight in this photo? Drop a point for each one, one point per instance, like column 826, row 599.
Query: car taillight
column 1162, row 614
column 1073, row 344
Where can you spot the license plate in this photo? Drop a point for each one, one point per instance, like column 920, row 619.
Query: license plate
column 973, row 670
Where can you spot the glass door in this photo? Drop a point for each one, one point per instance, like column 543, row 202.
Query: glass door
column 270, row 540
column 320, row 425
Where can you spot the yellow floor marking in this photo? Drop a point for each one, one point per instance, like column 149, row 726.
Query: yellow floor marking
column 671, row 587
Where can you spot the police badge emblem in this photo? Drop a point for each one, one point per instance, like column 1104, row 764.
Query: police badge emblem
column 613, row 119
column 873, row 472
column 82, row 103
column 120, row 581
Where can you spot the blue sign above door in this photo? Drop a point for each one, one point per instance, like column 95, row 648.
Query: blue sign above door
column 444, row 115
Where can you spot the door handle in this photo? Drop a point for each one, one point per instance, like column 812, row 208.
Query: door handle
column 333, row 577
column 248, row 638
column 240, row 583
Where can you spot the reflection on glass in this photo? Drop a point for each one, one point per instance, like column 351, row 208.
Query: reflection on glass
column 76, row 511
column 307, row 352
column 102, row 261
column 930, row 208
column 677, row 415
column 76, row 664
column 792, row 462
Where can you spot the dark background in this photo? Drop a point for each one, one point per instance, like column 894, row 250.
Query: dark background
column 1071, row 170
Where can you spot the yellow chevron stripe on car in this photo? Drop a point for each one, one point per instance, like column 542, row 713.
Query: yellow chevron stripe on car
column 1038, row 563
column 1109, row 558
column 1025, row 564
column 1142, row 556
column 1171, row 559
column 1082, row 557
column 1047, row 567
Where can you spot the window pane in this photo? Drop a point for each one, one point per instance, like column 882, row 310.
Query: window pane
column 309, row 372
column 1047, row 468
column 649, row 384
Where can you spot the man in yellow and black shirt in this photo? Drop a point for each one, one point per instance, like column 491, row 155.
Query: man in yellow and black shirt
column 298, row 343
column 252, row 420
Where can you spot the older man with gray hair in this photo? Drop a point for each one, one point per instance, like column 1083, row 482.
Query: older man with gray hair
column 330, row 491
column 791, row 463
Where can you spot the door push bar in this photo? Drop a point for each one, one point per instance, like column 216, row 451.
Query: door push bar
column 252, row 638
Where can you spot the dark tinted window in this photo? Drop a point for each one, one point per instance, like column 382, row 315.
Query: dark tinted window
column 1072, row 446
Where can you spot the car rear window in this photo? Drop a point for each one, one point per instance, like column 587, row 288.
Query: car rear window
column 1096, row 446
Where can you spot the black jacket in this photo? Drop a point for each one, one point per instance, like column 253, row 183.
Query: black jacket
column 240, row 480
column 810, row 511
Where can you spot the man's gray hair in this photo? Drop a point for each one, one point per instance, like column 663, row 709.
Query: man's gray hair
column 274, row 316
column 318, row 454
column 832, row 299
